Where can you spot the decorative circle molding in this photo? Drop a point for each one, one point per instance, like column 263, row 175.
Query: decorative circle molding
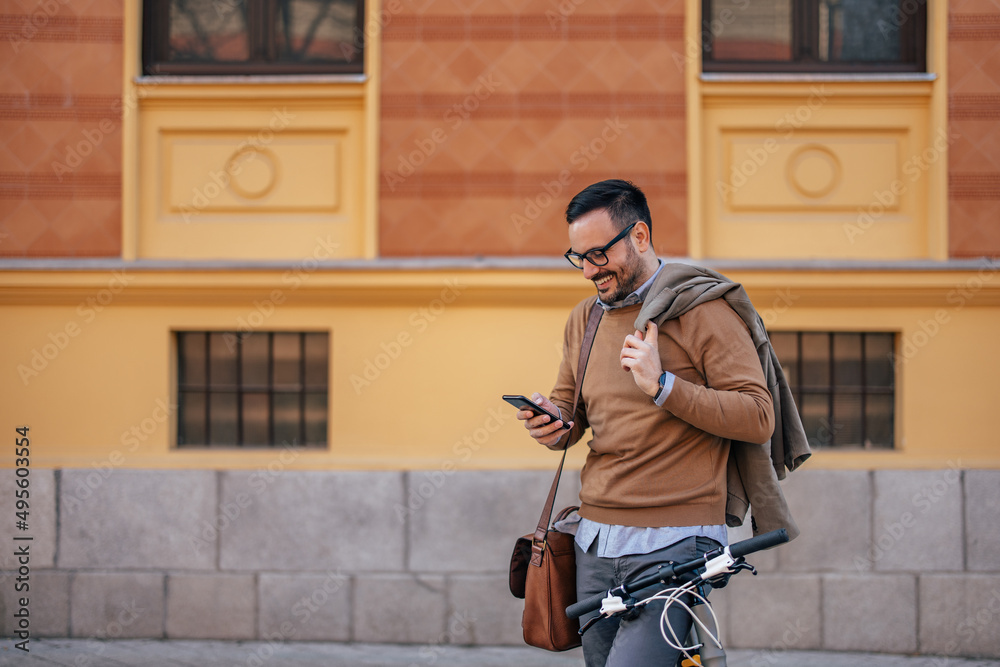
column 254, row 172
column 814, row 171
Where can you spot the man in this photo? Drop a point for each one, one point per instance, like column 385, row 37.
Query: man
column 663, row 404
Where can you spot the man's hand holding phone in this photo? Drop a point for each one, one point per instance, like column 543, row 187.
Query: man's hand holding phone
column 540, row 417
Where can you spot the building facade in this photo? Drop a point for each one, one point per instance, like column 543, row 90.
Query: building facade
column 257, row 322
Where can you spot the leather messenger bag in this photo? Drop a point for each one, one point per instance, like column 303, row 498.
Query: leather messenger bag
column 543, row 565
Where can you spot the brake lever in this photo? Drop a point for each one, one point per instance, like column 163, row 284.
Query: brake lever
column 720, row 580
column 743, row 565
column 611, row 606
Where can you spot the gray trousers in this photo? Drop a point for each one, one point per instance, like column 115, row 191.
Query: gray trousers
column 632, row 641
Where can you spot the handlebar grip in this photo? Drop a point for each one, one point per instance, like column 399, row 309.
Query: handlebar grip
column 762, row 541
column 578, row 609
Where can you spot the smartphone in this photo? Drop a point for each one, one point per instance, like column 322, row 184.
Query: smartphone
column 525, row 403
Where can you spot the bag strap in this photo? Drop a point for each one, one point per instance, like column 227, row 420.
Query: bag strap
column 542, row 529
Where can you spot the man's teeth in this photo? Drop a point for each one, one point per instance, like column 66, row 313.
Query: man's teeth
column 603, row 281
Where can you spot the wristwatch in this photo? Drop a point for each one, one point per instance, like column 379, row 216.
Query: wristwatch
column 663, row 381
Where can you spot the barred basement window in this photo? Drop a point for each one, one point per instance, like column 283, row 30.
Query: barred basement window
column 252, row 36
column 262, row 389
column 844, row 386
column 814, row 35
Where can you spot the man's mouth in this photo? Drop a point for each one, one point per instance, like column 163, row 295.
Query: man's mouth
column 603, row 281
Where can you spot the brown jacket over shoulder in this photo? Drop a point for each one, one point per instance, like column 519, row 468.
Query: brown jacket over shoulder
column 753, row 469
column 698, row 459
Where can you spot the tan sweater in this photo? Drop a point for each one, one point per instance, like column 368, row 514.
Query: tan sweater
column 650, row 466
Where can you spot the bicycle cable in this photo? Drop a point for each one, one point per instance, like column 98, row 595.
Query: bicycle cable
column 672, row 596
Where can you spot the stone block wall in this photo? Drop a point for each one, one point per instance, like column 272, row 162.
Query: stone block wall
column 894, row 561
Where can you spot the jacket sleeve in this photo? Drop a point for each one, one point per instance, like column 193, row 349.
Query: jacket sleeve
column 734, row 402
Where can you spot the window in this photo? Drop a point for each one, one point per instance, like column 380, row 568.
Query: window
column 252, row 36
column 844, row 386
column 259, row 389
column 814, row 35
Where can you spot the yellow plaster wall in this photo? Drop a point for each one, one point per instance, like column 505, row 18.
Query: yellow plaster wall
column 419, row 359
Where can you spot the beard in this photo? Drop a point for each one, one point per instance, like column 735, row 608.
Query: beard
column 626, row 278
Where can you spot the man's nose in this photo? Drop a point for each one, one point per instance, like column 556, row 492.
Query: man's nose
column 589, row 270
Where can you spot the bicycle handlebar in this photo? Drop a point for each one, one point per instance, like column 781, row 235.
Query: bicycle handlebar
column 759, row 543
column 669, row 572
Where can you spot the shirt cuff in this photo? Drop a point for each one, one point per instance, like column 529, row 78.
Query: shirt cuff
column 668, row 385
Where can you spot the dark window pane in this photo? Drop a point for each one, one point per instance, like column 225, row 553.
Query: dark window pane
column 815, row 360
column 847, row 356
column 814, row 35
column 847, row 420
column 287, row 419
column 239, row 401
column 222, row 359
column 254, row 360
column 852, row 406
column 191, row 350
column 861, row 30
column 222, row 418
column 315, row 30
column 815, row 410
column 786, row 347
column 287, row 360
column 316, row 411
column 317, row 360
column 751, row 29
column 878, row 359
column 879, row 421
column 209, row 31
column 255, row 414
column 252, row 37
column 192, row 418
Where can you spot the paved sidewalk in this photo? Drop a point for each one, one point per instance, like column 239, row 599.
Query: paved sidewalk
column 186, row 653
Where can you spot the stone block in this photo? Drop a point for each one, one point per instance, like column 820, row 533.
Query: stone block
column 773, row 612
column 48, row 604
column 403, row 609
column 469, row 520
column 720, row 604
column 870, row 612
column 211, row 606
column 982, row 507
column 136, row 519
column 833, row 510
column 305, row 607
column 317, row 521
column 918, row 521
column 960, row 615
column 492, row 615
column 41, row 518
column 116, row 605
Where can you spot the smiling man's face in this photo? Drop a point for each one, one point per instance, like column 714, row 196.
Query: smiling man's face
column 625, row 269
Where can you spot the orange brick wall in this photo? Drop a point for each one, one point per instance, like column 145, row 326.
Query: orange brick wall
column 974, row 115
column 492, row 117
column 60, row 128
column 495, row 113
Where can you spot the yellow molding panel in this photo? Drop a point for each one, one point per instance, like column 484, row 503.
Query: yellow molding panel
column 836, row 166
column 247, row 167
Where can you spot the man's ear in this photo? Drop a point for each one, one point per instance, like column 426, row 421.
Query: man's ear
column 642, row 237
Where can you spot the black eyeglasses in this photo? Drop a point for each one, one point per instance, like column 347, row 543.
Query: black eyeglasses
column 597, row 256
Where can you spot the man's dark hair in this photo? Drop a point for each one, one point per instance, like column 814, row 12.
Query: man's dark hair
column 624, row 202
